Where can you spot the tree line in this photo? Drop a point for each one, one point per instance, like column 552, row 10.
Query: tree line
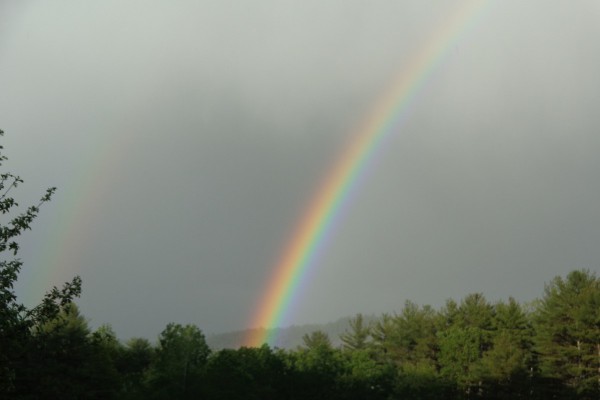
column 470, row 349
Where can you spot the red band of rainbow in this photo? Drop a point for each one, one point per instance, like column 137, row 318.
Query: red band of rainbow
column 301, row 254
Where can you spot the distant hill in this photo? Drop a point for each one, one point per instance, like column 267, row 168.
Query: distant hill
column 286, row 338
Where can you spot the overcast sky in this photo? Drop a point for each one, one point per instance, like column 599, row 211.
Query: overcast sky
column 186, row 139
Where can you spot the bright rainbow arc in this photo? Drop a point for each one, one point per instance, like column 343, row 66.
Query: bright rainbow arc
column 301, row 254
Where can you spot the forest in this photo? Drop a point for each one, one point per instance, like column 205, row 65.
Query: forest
column 467, row 349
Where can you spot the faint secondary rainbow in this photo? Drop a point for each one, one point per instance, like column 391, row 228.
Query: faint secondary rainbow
column 301, row 253
column 76, row 206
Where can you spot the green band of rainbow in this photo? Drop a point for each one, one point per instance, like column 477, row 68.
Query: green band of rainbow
column 301, row 254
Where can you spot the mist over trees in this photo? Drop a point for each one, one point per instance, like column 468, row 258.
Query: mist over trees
column 467, row 349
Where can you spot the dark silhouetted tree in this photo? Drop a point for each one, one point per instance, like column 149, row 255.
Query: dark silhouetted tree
column 133, row 365
column 17, row 320
column 247, row 373
column 179, row 363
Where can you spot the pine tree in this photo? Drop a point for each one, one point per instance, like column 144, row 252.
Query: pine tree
column 414, row 335
column 507, row 365
column 357, row 337
column 568, row 332
column 317, row 340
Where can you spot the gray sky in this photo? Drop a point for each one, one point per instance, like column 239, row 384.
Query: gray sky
column 186, row 139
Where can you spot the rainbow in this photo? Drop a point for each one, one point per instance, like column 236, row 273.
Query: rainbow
column 302, row 253
column 75, row 206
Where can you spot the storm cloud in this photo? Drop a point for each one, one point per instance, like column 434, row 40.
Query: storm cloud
column 187, row 138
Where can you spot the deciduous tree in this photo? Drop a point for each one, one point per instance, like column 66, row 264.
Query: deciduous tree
column 17, row 320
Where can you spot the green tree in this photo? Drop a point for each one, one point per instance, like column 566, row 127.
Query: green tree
column 460, row 351
column 107, row 352
column 357, row 337
column 68, row 363
column 382, row 333
column 475, row 311
column 247, row 373
column 179, row 362
column 316, row 340
column 63, row 350
column 568, row 332
column 16, row 320
column 362, row 377
column 414, row 335
column 463, row 338
column 422, row 382
column 316, row 367
column 316, row 371
column 504, row 368
column 133, row 364
column 508, row 364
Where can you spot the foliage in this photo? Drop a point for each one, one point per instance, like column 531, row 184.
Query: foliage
column 414, row 335
column 568, row 332
column 357, row 337
column 17, row 322
column 133, row 363
column 362, row 377
column 382, row 333
column 179, row 361
column 317, row 340
column 247, row 373
column 467, row 350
